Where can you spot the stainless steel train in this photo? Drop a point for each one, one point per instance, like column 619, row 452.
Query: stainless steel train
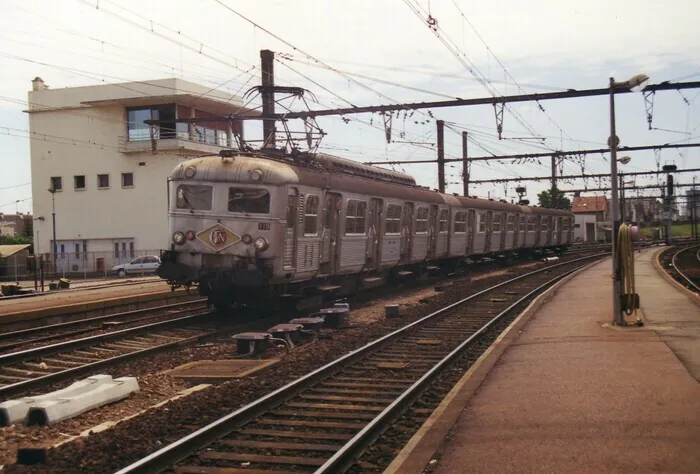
column 253, row 228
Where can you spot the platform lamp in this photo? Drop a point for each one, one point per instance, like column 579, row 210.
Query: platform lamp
column 636, row 83
column 52, row 190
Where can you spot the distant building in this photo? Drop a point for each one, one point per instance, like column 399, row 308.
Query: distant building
column 641, row 210
column 110, row 169
column 591, row 221
column 15, row 225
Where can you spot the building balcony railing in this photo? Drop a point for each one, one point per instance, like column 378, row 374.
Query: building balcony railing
column 177, row 142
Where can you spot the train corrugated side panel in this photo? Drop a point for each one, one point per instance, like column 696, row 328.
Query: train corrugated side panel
column 391, row 249
column 442, row 241
column 308, row 254
column 420, row 247
column 458, row 245
column 352, row 252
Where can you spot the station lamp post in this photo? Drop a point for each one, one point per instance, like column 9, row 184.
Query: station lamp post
column 52, row 190
column 636, row 83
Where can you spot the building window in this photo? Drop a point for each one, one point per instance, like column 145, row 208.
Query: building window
column 138, row 130
column 77, row 251
column 79, row 182
column 131, row 250
column 496, row 225
column 482, row 222
column 443, row 222
column 355, row 217
column 393, row 219
column 116, row 250
column 311, row 215
column 194, row 197
column 422, row 220
column 102, row 181
column 510, row 223
column 249, row 200
column 461, row 223
column 577, row 226
column 127, row 180
column 57, row 183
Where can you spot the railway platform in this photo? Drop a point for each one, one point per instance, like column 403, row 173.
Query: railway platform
column 564, row 391
column 84, row 300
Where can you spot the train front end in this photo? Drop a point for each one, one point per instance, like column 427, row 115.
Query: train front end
column 227, row 219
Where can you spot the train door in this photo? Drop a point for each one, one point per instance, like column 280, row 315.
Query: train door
column 487, row 231
column 374, row 233
column 516, row 231
column 504, row 230
column 330, row 234
column 471, row 229
column 538, row 230
column 432, row 231
column 290, row 235
column 406, row 231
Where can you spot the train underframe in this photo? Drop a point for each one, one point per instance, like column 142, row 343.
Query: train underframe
column 253, row 287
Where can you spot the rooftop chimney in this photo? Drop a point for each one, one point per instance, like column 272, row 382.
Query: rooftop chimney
column 38, row 84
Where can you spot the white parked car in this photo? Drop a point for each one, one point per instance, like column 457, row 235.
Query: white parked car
column 138, row 266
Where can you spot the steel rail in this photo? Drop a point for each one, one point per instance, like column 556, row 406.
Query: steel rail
column 680, row 272
column 80, row 322
column 180, row 449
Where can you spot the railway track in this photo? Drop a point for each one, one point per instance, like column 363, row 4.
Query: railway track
column 686, row 264
column 23, row 371
column 325, row 420
column 36, row 335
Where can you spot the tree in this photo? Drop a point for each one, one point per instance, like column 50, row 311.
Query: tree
column 560, row 201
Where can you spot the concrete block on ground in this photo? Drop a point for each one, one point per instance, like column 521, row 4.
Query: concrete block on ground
column 14, row 411
column 52, row 411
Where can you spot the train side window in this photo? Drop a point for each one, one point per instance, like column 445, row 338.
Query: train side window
column 422, row 220
column 510, row 225
column 482, row 222
column 249, row 200
column 355, row 217
column 565, row 224
column 496, row 223
column 443, row 222
column 531, row 223
column 311, row 215
column 460, row 223
column 393, row 219
column 193, row 197
column 555, row 224
column 522, row 223
column 544, row 226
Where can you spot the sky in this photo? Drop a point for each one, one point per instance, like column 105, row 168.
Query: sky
column 370, row 52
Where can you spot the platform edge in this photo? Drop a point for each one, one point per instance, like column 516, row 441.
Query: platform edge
column 692, row 296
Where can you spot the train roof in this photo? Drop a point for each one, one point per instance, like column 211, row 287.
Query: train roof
column 331, row 172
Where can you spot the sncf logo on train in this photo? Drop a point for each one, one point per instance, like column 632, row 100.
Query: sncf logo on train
column 218, row 237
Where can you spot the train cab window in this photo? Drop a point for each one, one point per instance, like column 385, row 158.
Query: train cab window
column 482, row 222
column 443, row 222
column 422, row 220
column 544, row 226
column 531, row 223
column 355, row 217
column 393, row 219
column 522, row 224
column 460, row 223
column 193, row 197
column 311, row 215
column 510, row 224
column 496, row 225
column 249, row 200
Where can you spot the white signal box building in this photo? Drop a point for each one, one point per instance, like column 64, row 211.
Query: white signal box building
column 109, row 169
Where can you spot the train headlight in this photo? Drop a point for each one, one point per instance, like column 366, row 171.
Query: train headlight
column 189, row 235
column 247, row 239
column 179, row 238
column 260, row 244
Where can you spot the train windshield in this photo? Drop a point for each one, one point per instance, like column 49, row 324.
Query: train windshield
column 193, row 197
column 249, row 200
